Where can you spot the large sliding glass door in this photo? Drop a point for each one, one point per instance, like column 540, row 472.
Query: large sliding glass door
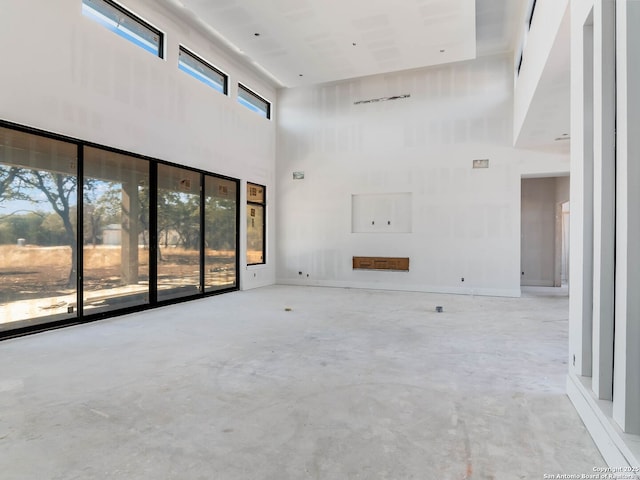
column 221, row 209
column 148, row 232
column 178, row 232
column 38, row 207
column 115, row 231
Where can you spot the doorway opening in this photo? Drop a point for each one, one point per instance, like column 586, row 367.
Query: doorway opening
column 544, row 241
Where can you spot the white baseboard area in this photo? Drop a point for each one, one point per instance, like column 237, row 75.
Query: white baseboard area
column 488, row 292
column 620, row 450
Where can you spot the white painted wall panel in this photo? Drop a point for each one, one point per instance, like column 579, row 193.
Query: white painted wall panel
column 465, row 222
column 536, row 54
column 381, row 213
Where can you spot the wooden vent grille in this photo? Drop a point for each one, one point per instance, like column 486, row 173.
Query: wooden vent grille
column 381, row 263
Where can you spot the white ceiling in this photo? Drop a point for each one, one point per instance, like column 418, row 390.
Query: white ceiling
column 304, row 42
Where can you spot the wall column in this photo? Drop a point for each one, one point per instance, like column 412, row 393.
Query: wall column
column 626, row 386
column 581, row 220
column 603, row 195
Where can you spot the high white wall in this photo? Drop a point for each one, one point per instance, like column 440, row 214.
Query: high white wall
column 64, row 73
column 465, row 222
column 538, row 53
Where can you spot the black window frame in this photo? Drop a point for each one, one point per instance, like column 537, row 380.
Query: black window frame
column 262, row 204
column 519, row 63
column 136, row 19
column 207, row 65
column 533, row 9
column 257, row 97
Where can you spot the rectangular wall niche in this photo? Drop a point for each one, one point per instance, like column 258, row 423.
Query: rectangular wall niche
column 381, row 213
column 381, row 263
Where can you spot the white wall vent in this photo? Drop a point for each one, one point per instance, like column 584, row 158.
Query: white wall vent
column 481, row 163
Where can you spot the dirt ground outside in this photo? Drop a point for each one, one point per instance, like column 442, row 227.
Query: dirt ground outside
column 34, row 280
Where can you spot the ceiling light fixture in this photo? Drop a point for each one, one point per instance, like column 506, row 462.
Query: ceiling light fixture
column 382, row 99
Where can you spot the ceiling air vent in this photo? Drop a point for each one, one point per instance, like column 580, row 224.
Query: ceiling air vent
column 382, row 99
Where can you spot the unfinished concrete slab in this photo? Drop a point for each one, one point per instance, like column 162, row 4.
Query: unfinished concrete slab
column 346, row 384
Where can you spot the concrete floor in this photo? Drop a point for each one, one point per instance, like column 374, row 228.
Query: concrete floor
column 350, row 384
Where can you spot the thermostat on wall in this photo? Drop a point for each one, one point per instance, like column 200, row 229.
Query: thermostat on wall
column 298, row 175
